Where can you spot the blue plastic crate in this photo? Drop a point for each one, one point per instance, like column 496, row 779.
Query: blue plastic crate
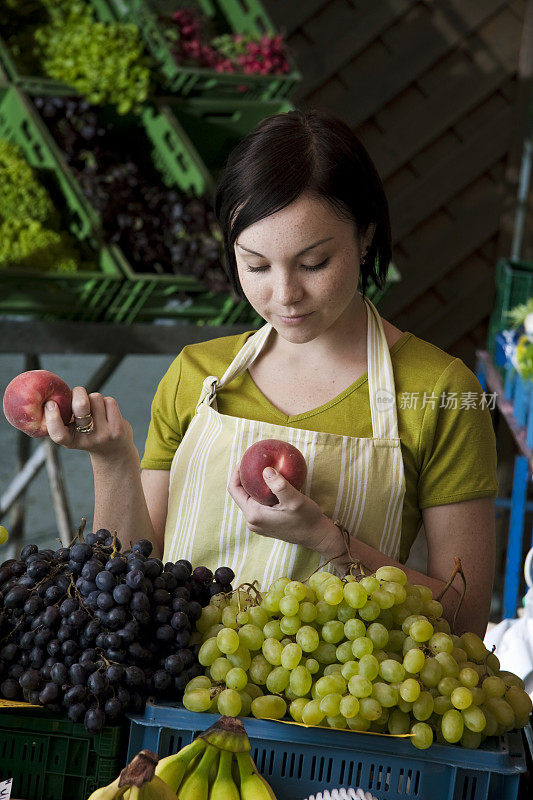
column 299, row 761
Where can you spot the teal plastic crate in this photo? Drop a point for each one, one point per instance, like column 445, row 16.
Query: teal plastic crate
column 85, row 294
column 299, row 761
column 514, row 286
column 51, row 758
column 189, row 81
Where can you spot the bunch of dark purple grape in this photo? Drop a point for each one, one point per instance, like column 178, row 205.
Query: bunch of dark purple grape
column 92, row 631
column 158, row 228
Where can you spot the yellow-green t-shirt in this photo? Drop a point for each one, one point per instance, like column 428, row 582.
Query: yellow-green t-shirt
column 447, row 438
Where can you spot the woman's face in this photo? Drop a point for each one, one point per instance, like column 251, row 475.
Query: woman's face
column 302, row 276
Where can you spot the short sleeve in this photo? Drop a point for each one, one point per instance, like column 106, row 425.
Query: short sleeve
column 164, row 432
column 457, row 447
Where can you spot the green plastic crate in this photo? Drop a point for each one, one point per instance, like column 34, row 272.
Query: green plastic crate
column 192, row 139
column 210, row 126
column 145, row 300
column 36, row 84
column 51, row 758
column 514, row 285
column 188, row 81
column 145, row 296
column 20, row 123
column 81, row 295
column 244, row 16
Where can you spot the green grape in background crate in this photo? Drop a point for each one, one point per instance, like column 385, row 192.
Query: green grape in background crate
column 54, row 267
column 29, row 223
column 68, row 42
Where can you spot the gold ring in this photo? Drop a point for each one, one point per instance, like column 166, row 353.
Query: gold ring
column 88, row 427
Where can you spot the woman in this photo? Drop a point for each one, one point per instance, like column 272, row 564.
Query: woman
column 305, row 222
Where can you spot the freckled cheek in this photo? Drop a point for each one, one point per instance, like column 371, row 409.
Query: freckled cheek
column 255, row 292
column 336, row 288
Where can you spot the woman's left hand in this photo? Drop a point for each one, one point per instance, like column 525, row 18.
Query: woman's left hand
column 295, row 518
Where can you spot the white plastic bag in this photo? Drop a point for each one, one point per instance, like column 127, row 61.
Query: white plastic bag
column 343, row 794
column 513, row 638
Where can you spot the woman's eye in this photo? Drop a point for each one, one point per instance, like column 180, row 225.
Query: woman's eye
column 309, row 267
column 316, row 266
column 256, row 269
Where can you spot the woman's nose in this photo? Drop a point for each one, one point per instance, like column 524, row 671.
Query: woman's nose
column 286, row 289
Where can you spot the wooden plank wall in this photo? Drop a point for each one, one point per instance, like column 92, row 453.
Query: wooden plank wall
column 431, row 89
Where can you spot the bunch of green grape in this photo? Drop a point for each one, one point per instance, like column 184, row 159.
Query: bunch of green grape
column 29, row 223
column 369, row 654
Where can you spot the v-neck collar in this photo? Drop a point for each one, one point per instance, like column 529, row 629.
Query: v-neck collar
column 325, row 406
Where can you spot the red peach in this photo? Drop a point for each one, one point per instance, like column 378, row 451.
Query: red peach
column 26, row 395
column 282, row 456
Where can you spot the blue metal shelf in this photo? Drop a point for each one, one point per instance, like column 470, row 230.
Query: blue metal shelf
column 514, row 399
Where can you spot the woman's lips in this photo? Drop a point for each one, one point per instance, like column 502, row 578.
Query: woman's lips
column 294, row 320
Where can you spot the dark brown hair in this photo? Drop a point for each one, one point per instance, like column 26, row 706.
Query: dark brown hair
column 296, row 152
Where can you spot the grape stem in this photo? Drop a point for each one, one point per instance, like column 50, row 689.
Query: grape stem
column 457, row 570
column 247, row 587
column 79, row 535
column 114, row 549
column 354, row 563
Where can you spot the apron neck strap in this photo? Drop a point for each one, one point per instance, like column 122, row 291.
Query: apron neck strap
column 246, row 356
column 381, row 388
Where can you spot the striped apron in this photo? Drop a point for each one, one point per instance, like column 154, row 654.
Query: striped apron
column 357, row 481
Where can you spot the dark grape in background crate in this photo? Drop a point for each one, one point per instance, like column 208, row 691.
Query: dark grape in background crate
column 161, row 229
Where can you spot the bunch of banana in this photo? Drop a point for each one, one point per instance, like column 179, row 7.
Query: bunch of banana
column 137, row 782
column 215, row 766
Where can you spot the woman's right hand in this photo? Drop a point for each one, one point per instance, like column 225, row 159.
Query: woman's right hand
column 112, row 435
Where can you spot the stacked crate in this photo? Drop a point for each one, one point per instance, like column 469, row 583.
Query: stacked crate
column 190, row 124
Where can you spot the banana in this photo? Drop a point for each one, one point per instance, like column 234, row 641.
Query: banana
column 228, row 733
column 110, row 792
column 172, row 769
column 156, row 789
column 253, row 785
column 224, row 787
column 138, row 782
column 196, row 784
column 269, row 787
